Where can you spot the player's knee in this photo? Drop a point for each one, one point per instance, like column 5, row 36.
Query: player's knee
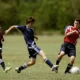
column 61, row 55
column 33, row 62
column 42, row 54
column 72, row 59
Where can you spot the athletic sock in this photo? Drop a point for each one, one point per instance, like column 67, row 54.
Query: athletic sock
column 2, row 64
column 68, row 68
column 23, row 67
column 48, row 62
column 57, row 61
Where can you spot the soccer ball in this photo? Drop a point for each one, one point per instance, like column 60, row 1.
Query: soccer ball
column 75, row 70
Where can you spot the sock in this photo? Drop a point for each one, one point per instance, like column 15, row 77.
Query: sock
column 48, row 62
column 57, row 61
column 2, row 64
column 23, row 67
column 68, row 68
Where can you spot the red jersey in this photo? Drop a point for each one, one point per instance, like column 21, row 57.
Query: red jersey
column 72, row 38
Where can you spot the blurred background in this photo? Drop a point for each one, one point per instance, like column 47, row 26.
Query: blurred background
column 51, row 15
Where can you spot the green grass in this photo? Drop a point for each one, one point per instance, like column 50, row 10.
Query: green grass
column 15, row 54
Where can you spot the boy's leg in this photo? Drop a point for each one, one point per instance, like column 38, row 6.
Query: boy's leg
column 72, row 55
column 24, row 66
column 69, row 66
column 41, row 53
column 47, row 61
column 60, row 55
column 2, row 64
column 32, row 56
column 6, row 69
column 1, row 61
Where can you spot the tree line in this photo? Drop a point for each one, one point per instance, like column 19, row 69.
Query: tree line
column 51, row 15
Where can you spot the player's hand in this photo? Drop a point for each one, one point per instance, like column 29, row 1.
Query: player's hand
column 6, row 32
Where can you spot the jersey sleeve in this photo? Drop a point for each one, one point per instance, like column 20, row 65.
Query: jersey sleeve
column 68, row 29
column 21, row 28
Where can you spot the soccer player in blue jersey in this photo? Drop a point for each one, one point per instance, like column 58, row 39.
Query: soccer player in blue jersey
column 33, row 49
column 5, row 69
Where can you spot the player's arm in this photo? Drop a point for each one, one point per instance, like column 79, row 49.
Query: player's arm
column 11, row 28
column 71, row 33
column 36, row 37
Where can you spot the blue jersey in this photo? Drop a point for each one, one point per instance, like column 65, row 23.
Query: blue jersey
column 28, row 34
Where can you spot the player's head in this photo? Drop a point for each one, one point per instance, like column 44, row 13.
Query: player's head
column 77, row 23
column 30, row 20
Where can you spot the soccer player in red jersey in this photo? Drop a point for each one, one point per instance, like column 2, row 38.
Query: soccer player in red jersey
column 72, row 33
column 1, row 60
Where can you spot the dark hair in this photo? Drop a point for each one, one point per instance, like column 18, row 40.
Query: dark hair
column 77, row 19
column 29, row 20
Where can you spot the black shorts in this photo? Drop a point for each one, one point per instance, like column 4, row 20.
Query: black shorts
column 0, row 45
column 69, row 49
column 33, row 50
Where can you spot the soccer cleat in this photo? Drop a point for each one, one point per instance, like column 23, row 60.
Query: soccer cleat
column 7, row 69
column 17, row 70
column 67, row 72
column 54, row 67
column 56, row 70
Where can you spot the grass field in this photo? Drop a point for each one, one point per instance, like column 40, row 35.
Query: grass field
column 15, row 54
